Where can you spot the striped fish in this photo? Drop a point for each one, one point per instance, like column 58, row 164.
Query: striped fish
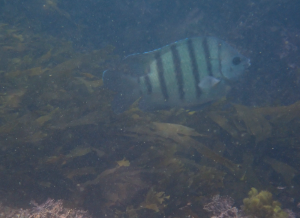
column 187, row 73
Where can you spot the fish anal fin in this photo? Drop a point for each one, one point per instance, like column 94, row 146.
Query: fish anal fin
column 122, row 102
column 145, row 104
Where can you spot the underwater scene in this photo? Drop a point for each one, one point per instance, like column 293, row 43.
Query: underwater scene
column 149, row 109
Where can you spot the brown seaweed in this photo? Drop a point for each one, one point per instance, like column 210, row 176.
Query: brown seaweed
column 183, row 136
column 57, row 128
column 284, row 169
column 253, row 120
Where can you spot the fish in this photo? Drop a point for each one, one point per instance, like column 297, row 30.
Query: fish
column 185, row 74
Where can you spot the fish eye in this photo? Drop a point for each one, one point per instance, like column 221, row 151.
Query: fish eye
column 236, row 60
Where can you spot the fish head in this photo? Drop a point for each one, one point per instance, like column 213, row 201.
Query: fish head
column 233, row 64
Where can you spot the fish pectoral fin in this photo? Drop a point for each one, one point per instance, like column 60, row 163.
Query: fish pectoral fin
column 209, row 82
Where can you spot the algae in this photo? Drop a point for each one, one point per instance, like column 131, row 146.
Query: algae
column 262, row 205
column 59, row 134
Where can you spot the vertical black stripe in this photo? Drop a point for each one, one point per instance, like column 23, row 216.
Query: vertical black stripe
column 178, row 70
column 207, row 56
column 219, row 57
column 148, row 84
column 160, row 71
column 194, row 67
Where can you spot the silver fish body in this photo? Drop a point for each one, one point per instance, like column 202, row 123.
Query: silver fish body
column 186, row 74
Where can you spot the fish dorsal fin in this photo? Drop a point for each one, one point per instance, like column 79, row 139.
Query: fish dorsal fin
column 166, row 48
column 136, row 65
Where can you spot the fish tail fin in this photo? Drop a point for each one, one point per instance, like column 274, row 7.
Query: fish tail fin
column 127, row 89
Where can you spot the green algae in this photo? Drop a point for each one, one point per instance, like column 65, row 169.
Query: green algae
column 262, row 205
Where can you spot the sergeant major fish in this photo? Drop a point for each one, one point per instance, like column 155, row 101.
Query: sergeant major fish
column 185, row 74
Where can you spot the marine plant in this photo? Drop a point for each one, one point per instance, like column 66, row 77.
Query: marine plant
column 59, row 137
column 262, row 205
